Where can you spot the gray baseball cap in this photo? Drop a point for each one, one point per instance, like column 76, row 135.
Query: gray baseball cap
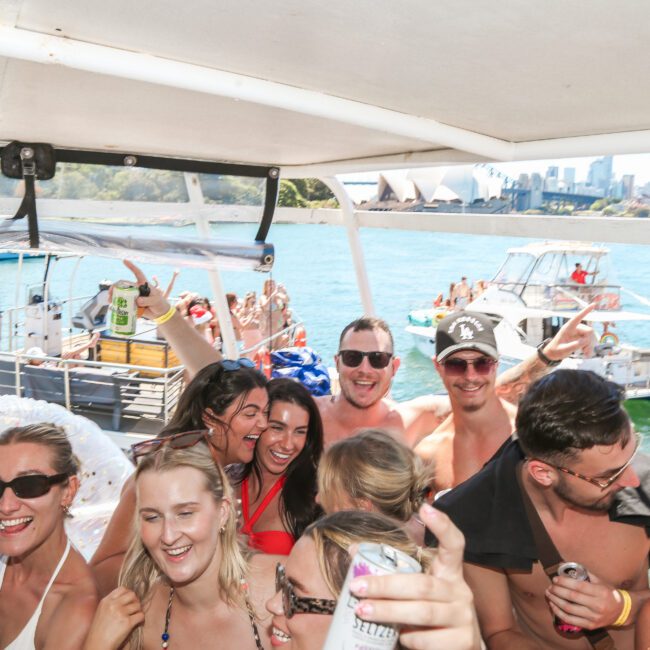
column 465, row 330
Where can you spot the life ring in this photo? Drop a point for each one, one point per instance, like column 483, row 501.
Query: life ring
column 262, row 360
column 104, row 466
column 609, row 337
column 300, row 337
column 607, row 301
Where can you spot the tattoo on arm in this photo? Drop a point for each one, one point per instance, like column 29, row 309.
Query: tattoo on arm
column 514, row 382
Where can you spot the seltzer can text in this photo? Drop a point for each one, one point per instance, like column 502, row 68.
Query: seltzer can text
column 347, row 631
column 123, row 308
column 576, row 572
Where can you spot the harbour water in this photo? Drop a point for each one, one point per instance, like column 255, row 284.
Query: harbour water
column 406, row 270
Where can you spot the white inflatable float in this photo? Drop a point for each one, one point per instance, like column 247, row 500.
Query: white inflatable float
column 104, row 467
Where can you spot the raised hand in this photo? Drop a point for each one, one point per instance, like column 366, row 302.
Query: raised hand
column 573, row 335
column 116, row 616
column 153, row 305
column 434, row 609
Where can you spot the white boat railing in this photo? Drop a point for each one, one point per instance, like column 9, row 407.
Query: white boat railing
column 566, row 296
column 116, row 396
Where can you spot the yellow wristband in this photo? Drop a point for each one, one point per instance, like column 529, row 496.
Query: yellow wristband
column 627, row 608
column 161, row 320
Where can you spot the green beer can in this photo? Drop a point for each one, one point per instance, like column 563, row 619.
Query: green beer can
column 123, row 308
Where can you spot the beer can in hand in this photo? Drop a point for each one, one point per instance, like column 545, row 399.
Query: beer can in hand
column 124, row 309
column 574, row 571
column 348, row 631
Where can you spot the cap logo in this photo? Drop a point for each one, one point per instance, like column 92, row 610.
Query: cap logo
column 466, row 333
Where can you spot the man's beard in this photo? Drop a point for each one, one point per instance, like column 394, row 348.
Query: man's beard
column 600, row 505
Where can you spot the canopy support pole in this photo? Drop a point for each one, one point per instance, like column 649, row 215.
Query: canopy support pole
column 352, row 227
column 229, row 342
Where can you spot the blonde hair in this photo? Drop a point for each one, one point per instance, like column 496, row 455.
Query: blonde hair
column 139, row 571
column 373, row 465
column 333, row 535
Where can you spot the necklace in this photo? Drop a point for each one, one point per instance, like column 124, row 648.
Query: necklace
column 249, row 609
column 168, row 613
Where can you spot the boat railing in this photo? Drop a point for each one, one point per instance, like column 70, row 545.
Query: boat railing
column 118, row 397
column 566, row 296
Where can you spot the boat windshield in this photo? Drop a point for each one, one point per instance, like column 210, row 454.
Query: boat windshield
column 515, row 269
column 557, row 267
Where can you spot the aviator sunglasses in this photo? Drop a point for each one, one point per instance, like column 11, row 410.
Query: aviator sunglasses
column 176, row 441
column 32, row 486
column 354, row 358
column 602, row 482
column 292, row 604
column 458, row 367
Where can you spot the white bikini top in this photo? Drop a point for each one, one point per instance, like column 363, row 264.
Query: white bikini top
column 25, row 640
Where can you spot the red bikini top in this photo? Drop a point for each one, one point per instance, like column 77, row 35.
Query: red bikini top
column 276, row 542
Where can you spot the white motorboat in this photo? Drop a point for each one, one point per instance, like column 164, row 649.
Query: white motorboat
column 533, row 294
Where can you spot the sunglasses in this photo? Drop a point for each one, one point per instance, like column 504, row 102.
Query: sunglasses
column 32, row 486
column 354, row 358
column 292, row 604
column 230, row 365
column 458, row 367
column 602, row 483
column 176, row 441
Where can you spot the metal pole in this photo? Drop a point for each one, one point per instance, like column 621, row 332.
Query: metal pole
column 230, row 349
column 350, row 221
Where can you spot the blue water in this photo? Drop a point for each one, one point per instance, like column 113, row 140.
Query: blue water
column 406, row 270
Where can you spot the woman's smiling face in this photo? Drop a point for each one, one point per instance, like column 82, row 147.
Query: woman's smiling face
column 284, row 438
column 243, row 422
column 179, row 522
column 301, row 631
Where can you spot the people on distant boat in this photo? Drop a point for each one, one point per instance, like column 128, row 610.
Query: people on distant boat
column 249, row 316
column 36, row 356
column 278, row 487
column 273, row 304
column 481, row 420
column 478, row 288
column 228, row 402
column 559, row 492
column 438, row 300
column 461, row 294
column 45, row 584
column 185, row 582
column 579, row 275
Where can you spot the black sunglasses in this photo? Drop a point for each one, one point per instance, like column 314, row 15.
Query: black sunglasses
column 354, row 358
column 176, row 441
column 458, row 367
column 230, row 365
column 292, row 604
column 32, row 486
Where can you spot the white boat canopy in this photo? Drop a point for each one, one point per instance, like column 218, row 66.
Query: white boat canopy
column 323, row 88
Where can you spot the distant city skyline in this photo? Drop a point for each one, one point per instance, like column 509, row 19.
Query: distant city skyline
column 636, row 164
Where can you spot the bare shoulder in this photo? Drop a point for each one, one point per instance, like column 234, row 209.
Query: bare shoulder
column 428, row 447
column 73, row 597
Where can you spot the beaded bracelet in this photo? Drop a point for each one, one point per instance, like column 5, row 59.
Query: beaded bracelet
column 627, row 607
column 161, row 320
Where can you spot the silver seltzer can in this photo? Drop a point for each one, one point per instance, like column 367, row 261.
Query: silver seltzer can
column 349, row 632
column 123, row 308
